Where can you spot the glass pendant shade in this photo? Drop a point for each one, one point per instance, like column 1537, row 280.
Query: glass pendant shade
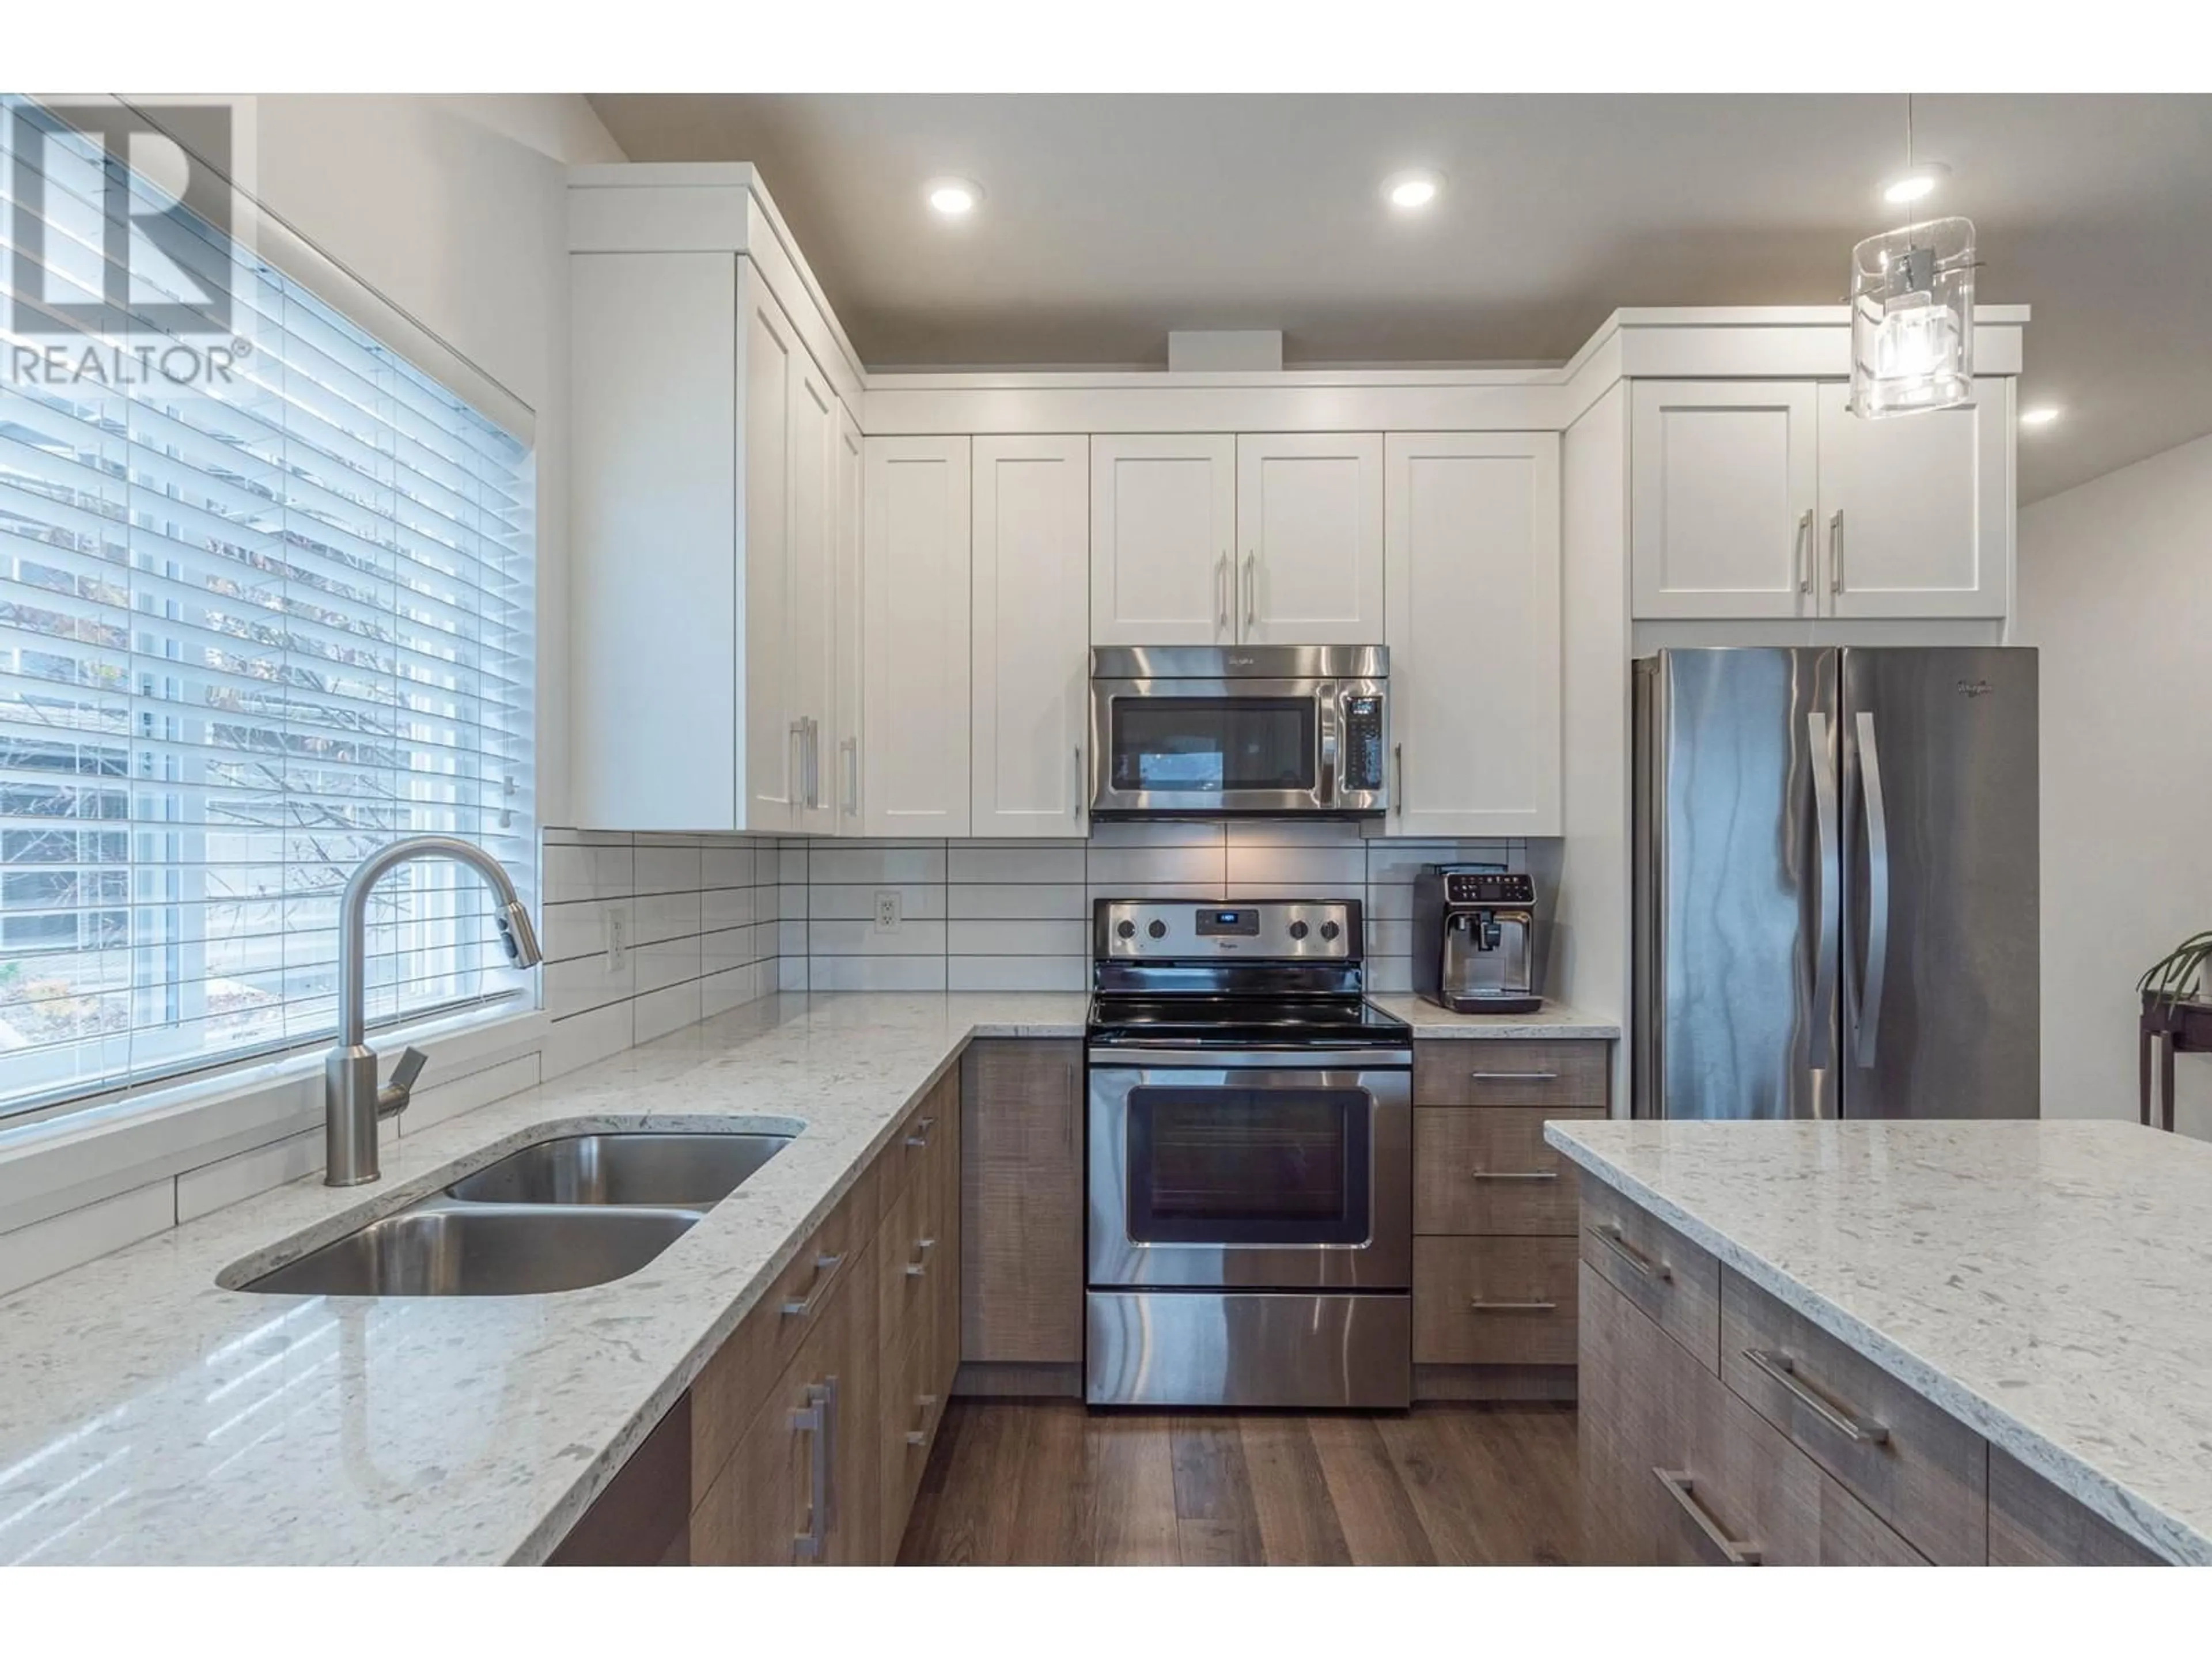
column 1912, row 319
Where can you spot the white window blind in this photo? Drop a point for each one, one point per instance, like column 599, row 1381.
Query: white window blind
column 249, row 632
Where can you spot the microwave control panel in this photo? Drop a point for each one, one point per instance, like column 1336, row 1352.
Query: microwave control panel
column 1363, row 744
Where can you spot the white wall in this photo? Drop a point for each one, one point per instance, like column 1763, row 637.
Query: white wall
column 456, row 210
column 2116, row 589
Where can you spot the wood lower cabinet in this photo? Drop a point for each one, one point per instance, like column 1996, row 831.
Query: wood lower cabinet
column 1495, row 1214
column 1022, row 1205
column 1678, row 1471
column 1752, row 1437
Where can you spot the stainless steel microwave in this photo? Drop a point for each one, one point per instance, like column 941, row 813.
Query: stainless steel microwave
column 1271, row 731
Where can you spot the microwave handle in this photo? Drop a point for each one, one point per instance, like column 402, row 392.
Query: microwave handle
column 1330, row 724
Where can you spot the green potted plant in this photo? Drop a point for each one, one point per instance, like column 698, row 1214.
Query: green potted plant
column 2174, row 977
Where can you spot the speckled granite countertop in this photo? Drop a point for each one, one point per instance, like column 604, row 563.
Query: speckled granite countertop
column 2047, row 1283
column 147, row 1416
column 1554, row 1021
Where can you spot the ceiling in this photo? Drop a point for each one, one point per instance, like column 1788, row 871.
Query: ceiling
column 1110, row 220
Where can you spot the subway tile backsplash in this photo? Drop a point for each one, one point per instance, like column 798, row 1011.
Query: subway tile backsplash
column 645, row 934
column 1014, row 915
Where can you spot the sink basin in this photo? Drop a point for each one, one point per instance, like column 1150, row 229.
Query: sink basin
column 450, row 1249
column 634, row 1167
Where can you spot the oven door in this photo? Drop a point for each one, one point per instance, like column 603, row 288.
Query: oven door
column 1213, row 746
column 1273, row 1174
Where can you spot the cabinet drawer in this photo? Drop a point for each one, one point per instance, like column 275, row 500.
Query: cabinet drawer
column 1675, row 1284
column 730, row 1390
column 2033, row 1524
column 927, row 1139
column 911, row 1261
column 1678, row 1471
column 1486, row 1170
column 1494, row 1301
column 1461, row 1071
column 912, row 1409
column 1919, row 1469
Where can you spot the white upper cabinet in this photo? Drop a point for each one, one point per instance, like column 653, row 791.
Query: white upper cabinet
column 1724, row 486
column 1472, row 539
column 1162, row 526
column 848, row 692
column 1916, row 511
column 1031, row 580
column 1309, row 534
column 914, row 724
column 654, row 589
column 812, row 432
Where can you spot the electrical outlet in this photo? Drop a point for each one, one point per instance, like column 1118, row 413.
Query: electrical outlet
column 887, row 910
column 617, row 926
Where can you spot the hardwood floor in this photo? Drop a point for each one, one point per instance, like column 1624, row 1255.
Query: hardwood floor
column 1048, row 1483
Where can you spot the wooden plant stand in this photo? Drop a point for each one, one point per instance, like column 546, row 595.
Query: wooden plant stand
column 2184, row 1027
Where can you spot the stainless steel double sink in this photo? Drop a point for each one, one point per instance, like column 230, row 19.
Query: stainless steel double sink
column 556, row 1215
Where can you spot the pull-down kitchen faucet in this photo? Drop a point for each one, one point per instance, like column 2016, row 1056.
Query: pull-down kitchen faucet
column 352, row 1103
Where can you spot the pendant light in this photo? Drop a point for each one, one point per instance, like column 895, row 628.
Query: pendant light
column 1912, row 314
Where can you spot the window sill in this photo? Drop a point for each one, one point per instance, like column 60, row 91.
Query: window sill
column 61, row 1163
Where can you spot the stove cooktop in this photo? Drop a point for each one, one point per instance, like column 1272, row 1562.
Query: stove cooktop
column 1243, row 1022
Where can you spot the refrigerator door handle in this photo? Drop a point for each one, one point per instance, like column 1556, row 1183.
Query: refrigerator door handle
column 1831, row 904
column 1867, row 1015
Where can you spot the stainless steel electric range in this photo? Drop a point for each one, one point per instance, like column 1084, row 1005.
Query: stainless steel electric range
column 1250, row 1234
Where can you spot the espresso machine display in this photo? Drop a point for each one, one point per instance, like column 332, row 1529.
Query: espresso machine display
column 1474, row 939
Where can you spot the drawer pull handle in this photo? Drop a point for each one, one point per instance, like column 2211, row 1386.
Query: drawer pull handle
column 1516, row 1175
column 1783, row 1369
column 1617, row 1241
column 921, row 1136
column 1681, row 1488
column 1515, row 1076
column 919, row 1266
column 824, row 1266
column 925, row 1403
column 1476, row 1304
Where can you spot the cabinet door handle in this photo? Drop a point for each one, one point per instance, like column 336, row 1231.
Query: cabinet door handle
column 1836, row 551
column 1783, row 1369
column 1515, row 1076
column 813, row 763
column 851, row 749
column 1682, row 1489
column 1075, row 806
column 1251, row 590
column 1642, row 1265
column 922, row 1125
column 824, row 1266
column 920, row 1265
column 796, row 785
column 1514, row 1175
column 812, row 1420
column 1476, row 1304
column 1221, row 593
column 1805, row 551
column 1398, row 798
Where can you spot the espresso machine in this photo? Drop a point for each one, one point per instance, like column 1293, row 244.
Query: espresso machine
column 1474, row 939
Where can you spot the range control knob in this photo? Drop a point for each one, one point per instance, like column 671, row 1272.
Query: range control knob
column 1297, row 930
column 1329, row 930
column 1157, row 930
column 1125, row 929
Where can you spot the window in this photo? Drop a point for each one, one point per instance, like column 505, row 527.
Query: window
column 251, row 628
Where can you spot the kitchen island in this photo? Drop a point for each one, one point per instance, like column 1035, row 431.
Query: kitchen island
column 1895, row 1341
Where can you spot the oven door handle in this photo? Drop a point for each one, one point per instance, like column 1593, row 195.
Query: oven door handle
column 1257, row 1068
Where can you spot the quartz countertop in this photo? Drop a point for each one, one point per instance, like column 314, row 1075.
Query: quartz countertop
column 2048, row 1282
column 147, row 1416
column 1554, row 1022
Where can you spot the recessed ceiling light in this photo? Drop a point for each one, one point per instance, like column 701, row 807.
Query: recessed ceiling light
column 2040, row 414
column 1412, row 191
column 1922, row 181
column 955, row 198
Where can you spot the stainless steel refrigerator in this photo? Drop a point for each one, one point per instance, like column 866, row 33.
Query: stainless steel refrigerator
column 1836, row 882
